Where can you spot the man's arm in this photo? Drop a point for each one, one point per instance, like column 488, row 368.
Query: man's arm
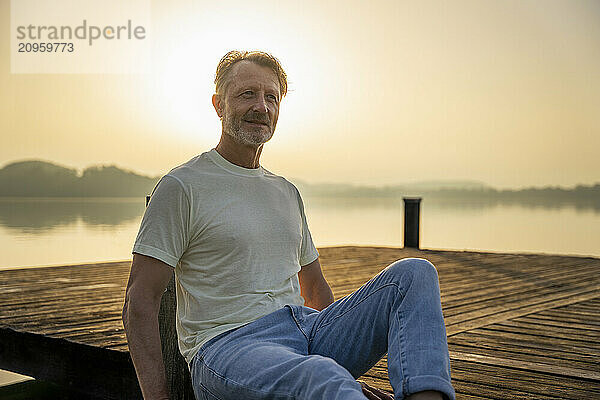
column 148, row 280
column 313, row 286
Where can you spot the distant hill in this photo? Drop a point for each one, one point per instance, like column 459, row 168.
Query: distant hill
column 408, row 189
column 581, row 195
column 589, row 194
column 35, row 178
column 463, row 192
column 453, row 185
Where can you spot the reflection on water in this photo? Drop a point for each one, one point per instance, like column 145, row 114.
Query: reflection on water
column 453, row 205
column 482, row 203
column 40, row 215
column 36, row 232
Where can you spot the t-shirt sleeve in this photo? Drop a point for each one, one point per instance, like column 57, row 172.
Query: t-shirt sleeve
column 308, row 251
column 164, row 231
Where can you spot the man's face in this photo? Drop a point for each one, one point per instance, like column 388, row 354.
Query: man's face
column 250, row 105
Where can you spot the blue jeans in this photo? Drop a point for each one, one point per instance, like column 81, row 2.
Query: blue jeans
column 297, row 352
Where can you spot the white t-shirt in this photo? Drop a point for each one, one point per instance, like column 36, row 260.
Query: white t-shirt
column 236, row 237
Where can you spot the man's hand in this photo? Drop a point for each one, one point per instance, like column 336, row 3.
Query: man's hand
column 374, row 393
column 313, row 287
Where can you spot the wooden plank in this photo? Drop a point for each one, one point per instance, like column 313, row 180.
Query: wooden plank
column 584, row 309
column 551, row 330
column 529, row 345
column 493, row 392
column 568, row 316
column 504, row 329
column 519, row 355
column 554, row 323
column 507, row 313
column 487, row 287
column 35, row 321
column 118, row 346
column 71, row 308
column 582, row 285
column 55, row 295
column 523, row 379
column 504, row 271
column 500, row 380
column 526, row 365
column 113, row 325
column 103, row 373
column 520, row 336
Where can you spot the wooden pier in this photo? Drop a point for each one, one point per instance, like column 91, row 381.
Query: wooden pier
column 520, row 326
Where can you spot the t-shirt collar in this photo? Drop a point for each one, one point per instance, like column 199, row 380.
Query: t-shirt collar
column 231, row 167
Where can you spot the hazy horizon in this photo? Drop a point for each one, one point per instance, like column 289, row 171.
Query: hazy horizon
column 430, row 183
column 392, row 92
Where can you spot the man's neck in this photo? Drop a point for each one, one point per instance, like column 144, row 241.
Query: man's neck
column 239, row 154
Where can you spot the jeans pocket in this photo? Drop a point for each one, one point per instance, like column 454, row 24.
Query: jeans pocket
column 200, row 390
column 204, row 394
column 300, row 315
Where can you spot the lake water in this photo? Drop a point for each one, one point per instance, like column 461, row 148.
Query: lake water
column 43, row 232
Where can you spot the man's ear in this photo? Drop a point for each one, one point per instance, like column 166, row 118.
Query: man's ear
column 217, row 104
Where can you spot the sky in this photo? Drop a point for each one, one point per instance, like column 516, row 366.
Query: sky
column 380, row 92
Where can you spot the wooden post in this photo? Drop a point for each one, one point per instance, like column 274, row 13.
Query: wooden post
column 178, row 376
column 411, row 221
column 179, row 380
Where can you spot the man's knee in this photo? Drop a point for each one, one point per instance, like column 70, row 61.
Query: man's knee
column 419, row 268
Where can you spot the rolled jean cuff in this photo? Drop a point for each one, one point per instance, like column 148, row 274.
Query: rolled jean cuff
column 429, row 382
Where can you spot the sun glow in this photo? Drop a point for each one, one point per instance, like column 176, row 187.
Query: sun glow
column 181, row 84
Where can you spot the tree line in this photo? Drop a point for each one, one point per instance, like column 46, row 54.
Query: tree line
column 44, row 179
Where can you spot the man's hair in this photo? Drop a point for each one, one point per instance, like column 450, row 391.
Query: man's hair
column 257, row 57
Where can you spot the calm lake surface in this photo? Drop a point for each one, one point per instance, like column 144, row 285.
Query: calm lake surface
column 43, row 232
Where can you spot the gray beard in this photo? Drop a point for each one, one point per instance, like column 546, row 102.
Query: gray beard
column 245, row 137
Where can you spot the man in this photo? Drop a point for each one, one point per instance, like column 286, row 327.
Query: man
column 255, row 316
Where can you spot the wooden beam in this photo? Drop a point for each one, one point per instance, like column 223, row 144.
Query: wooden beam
column 94, row 371
column 178, row 375
column 412, row 207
